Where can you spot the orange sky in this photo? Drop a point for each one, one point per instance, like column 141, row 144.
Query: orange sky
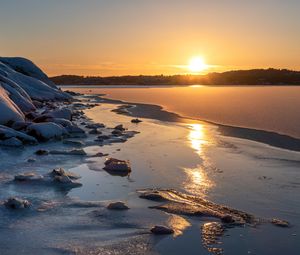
column 120, row 37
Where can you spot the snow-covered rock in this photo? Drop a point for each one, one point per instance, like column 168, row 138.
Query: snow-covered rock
column 10, row 112
column 17, row 95
column 34, row 87
column 11, row 142
column 6, row 133
column 63, row 122
column 46, row 131
column 20, row 125
column 64, row 113
column 26, row 93
column 27, row 67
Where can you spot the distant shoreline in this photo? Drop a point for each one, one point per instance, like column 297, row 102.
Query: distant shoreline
column 167, row 86
column 265, row 77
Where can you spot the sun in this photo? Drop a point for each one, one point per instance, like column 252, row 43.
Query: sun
column 197, row 65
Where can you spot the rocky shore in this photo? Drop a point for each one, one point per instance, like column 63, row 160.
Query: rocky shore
column 35, row 114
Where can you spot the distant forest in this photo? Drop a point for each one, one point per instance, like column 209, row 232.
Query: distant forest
column 240, row 77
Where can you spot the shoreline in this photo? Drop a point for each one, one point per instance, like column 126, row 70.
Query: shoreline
column 151, row 111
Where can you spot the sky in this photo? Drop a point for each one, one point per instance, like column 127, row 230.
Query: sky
column 132, row 37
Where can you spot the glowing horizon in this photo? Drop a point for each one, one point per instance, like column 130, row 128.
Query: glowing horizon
column 133, row 37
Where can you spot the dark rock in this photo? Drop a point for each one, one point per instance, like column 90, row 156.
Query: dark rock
column 103, row 137
column 62, row 172
column 78, row 152
column 280, row 223
column 31, row 115
column 16, row 203
column 119, row 127
column 136, row 121
column 95, row 132
column 117, row 206
column 20, row 125
column 118, row 167
column 64, row 113
column 227, row 219
column 95, row 125
column 41, row 152
column 67, row 181
column 117, row 132
column 152, row 195
column 162, row 230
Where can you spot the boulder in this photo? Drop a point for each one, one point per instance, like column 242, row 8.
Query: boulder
column 20, row 125
column 6, row 132
column 16, row 203
column 95, row 125
column 227, row 219
column 67, row 181
column 29, row 176
column 75, row 130
column 119, row 127
column 61, row 172
column 136, row 121
column 103, row 137
column 116, row 166
column 46, row 131
column 35, row 88
column 42, row 152
column 64, row 113
column 117, row 206
column 117, row 132
column 161, row 230
column 280, row 223
column 78, row 152
column 95, row 132
column 11, row 142
column 61, row 121
column 9, row 110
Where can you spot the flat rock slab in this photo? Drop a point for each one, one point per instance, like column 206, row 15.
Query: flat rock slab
column 179, row 203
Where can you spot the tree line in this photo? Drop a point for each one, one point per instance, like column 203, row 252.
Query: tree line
column 240, row 77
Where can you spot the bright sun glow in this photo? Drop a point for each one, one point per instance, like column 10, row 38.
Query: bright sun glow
column 197, row 64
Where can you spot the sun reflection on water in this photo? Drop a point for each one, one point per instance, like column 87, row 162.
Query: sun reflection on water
column 197, row 137
column 178, row 224
column 197, row 181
